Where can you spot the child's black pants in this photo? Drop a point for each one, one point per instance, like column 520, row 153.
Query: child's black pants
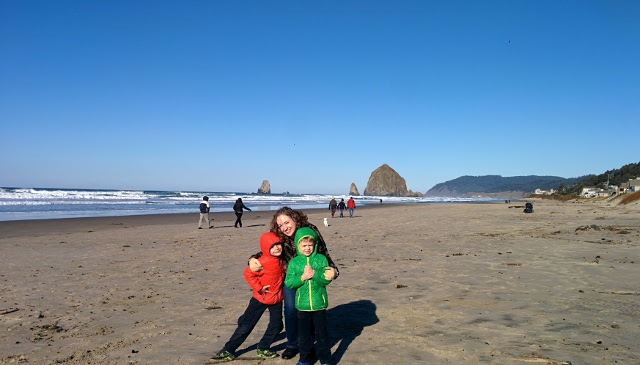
column 310, row 323
column 248, row 321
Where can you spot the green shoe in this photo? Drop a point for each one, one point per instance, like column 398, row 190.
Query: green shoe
column 267, row 354
column 223, row 355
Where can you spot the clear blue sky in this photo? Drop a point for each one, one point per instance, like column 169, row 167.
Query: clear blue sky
column 313, row 95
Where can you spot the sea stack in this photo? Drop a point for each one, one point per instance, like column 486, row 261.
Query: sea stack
column 265, row 188
column 353, row 190
column 385, row 181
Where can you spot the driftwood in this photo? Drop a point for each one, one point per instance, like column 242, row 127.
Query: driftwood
column 9, row 310
column 511, row 264
column 400, row 286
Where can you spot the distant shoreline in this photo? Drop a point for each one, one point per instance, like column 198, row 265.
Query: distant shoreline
column 39, row 227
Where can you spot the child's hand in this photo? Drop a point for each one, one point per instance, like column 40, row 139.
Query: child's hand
column 329, row 273
column 308, row 273
column 254, row 265
column 265, row 289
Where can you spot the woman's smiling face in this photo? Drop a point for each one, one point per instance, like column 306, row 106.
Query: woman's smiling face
column 286, row 225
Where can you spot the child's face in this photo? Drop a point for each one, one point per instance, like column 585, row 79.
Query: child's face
column 306, row 247
column 276, row 250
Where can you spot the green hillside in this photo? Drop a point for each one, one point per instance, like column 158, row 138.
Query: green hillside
column 496, row 184
column 615, row 177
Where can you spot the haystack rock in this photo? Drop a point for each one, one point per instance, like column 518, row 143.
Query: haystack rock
column 265, row 188
column 385, row 181
column 353, row 190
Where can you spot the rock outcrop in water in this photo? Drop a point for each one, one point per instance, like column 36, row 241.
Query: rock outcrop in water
column 353, row 190
column 265, row 188
column 385, row 181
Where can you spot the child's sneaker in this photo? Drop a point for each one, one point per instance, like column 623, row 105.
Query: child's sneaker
column 223, row 355
column 267, row 354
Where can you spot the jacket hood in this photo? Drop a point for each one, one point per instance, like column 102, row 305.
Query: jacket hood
column 266, row 241
column 306, row 232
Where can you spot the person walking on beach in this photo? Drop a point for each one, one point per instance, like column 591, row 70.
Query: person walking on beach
column 341, row 206
column 333, row 205
column 351, row 205
column 305, row 275
column 267, row 294
column 204, row 212
column 285, row 223
column 237, row 208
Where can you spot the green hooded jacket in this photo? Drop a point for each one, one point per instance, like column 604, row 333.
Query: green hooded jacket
column 311, row 295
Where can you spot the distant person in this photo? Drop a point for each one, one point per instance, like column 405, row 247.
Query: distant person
column 237, row 208
column 305, row 275
column 267, row 294
column 333, row 205
column 380, row 201
column 342, row 206
column 351, row 205
column 204, row 212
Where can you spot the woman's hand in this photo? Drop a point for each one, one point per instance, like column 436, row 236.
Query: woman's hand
column 329, row 273
column 255, row 265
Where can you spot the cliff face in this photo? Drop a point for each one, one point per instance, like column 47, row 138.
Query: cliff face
column 385, row 181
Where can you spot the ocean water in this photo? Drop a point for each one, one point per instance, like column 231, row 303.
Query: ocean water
column 44, row 203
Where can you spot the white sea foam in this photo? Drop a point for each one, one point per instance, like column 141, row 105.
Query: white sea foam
column 34, row 203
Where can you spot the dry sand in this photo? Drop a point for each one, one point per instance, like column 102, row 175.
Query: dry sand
column 419, row 284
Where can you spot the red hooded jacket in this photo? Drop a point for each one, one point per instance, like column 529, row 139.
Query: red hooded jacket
column 272, row 273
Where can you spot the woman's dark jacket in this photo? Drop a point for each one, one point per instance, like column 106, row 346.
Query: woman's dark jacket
column 237, row 207
column 289, row 249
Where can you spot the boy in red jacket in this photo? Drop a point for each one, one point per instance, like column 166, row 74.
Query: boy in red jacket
column 267, row 294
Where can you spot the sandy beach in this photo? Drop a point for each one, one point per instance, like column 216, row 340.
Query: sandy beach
column 419, row 284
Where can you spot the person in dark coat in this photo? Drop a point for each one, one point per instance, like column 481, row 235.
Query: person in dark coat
column 333, row 206
column 342, row 206
column 237, row 208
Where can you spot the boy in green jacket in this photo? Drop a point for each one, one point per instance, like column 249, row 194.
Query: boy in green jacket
column 306, row 275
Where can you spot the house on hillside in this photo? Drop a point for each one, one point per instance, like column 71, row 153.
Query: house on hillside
column 593, row 192
column 588, row 192
column 544, row 192
column 632, row 185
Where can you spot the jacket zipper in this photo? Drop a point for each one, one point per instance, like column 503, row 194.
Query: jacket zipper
column 309, row 283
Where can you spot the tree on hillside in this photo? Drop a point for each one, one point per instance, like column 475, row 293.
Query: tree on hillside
column 614, row 177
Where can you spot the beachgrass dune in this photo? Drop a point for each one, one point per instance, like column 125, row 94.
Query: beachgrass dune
column 436, row 283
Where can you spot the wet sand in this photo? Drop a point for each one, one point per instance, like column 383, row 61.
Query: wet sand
column 436, row 284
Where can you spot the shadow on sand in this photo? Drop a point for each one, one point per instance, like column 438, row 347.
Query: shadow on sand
column 346, row 322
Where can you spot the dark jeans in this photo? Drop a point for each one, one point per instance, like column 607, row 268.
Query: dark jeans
column 290, row 317
column 310, row 323
column 248, row 321
column 239, row 219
